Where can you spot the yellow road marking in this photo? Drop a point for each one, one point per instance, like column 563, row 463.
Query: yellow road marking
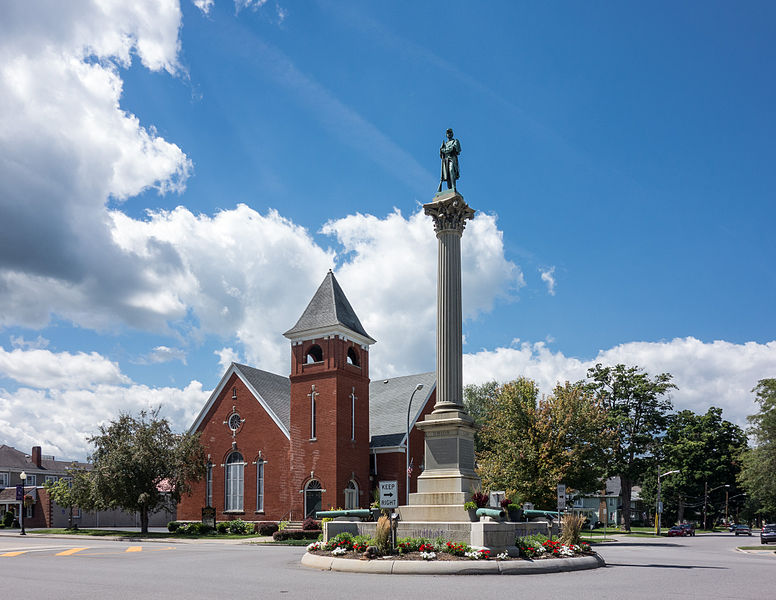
column 15, row 553
column 135, row 549
column 71, row 551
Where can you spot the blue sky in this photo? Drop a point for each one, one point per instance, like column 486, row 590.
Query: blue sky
column 177, row 178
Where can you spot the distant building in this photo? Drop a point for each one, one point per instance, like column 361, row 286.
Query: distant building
column 281, row 448
column 607, row 505
column 44, row 512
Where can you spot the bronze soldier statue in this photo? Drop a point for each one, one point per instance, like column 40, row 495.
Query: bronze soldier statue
column 449, row 152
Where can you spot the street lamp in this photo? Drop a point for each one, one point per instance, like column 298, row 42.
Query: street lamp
column 407, row 442
column 23, row 477
column 706, row 499
column 659, row 507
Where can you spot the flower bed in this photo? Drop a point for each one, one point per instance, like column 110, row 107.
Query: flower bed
column 535, row 547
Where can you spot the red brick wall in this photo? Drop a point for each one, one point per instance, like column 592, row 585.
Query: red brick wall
column 333, row 457
column 257, row 433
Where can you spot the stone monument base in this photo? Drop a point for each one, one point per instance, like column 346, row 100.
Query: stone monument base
column 497, row 536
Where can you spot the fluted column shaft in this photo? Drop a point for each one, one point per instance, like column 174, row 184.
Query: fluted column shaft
column 450, row 214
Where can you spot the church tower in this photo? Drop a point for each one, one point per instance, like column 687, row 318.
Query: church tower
column 329, row 426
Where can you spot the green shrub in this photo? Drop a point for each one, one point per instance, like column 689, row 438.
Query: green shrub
column 266, row 528
column 239, row 527
column 222, row 527
column 8, row 519
column 528, row 544
column 282, row 525
column 280, row 536
column 406, row 545
column 173, row 526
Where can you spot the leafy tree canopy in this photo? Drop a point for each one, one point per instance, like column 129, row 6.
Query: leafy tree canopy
column 75, row 490
column 140, row 464
column 637, row 410
column 530, row 444
column 759, row 463
column 706, row 450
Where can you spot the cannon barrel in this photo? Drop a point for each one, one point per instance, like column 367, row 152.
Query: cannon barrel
column 361, row 513
column 496, row 513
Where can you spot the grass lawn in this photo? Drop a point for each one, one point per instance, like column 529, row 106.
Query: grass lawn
column 762, row 547
column 137, row 534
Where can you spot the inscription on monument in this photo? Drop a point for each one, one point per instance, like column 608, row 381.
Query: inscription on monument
column 442, row 452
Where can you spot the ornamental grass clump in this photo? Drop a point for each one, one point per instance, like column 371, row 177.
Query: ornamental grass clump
column 383, row 534
column 572, row 525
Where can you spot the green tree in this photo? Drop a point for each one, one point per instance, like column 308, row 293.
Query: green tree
column 759, row 463
column 530, row 444
column 140, row 464
column 706, row 450
column 638, row 412
column 478, row 401
column 73, row 492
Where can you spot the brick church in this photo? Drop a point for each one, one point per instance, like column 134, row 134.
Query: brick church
column 281, row 448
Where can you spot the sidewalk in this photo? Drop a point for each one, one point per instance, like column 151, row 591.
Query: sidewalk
column 163, row 540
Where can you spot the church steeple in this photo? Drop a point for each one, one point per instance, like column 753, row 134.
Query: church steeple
column 329, row 452
column 329, row 312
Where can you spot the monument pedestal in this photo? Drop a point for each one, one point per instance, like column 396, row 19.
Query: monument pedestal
column 448, row 478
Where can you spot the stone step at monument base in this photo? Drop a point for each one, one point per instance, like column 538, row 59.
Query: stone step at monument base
column 438, row 498
column 449, row 513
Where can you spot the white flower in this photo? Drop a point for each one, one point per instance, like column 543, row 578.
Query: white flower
column 566, row 551
column 503, row 556
column 338, row 551
column 315, row 546
column 428, row 555
column 540, row 549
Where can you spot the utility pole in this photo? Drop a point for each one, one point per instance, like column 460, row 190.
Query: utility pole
column 727, row 492
column 705, row 501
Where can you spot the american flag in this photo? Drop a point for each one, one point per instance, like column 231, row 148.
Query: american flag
column 409, row 469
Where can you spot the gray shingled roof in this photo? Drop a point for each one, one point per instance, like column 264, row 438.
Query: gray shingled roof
column 13, row 459
column 388, row 399
column 275, row 389
column 329, row 307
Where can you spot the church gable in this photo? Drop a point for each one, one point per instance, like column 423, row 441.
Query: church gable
column 271, row 391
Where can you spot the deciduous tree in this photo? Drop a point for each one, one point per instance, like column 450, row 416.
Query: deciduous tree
column 140, row 464
column 530, row 444
column 73, row 491
column 759, row 463
column 637, row 410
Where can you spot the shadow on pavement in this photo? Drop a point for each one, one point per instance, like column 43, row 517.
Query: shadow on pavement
column 650, row 544
column 654, row 566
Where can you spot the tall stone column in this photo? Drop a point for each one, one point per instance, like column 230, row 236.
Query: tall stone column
column 448, row 476
column 450, row 214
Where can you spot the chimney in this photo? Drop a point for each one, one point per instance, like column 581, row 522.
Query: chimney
column 36, row 455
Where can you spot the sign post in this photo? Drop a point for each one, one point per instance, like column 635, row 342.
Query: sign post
column 561, row 497
column 389, row 494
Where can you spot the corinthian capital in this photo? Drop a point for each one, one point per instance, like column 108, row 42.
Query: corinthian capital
column 449, row 211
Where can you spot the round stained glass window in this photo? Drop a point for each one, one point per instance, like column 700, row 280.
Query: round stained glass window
column 235, row 422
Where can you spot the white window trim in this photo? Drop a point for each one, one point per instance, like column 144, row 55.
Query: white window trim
column 209, row 484
column 260, row 474
column 312, row 396
column 51, row 478
column 31, row 480
column 239, row 495
column 4, row 479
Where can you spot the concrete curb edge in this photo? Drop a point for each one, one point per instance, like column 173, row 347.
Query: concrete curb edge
column 417, row 567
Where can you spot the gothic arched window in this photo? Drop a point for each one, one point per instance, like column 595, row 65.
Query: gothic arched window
column 234, row 481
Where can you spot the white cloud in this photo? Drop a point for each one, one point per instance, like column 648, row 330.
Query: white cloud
column 226, row 356
column 37, row 343
column 45, row 369
column 548, row 277
column 60, row 420
column 708, row 374
column 163, row 354
column 204, row 5
column 70, row 147
column 389, row 275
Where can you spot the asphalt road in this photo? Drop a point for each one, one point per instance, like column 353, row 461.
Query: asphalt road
column 706, row 566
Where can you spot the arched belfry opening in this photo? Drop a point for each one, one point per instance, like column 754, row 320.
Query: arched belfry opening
column 353, row 358
column 314, row 354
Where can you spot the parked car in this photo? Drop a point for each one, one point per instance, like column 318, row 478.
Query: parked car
column 741, row 529
column 768, row 533
column 731, row 527
column 676, row 531
column 689, row 528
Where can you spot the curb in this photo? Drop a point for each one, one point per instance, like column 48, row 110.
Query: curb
column 418, row 567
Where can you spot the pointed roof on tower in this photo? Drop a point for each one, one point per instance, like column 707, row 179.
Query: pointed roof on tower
column 328, row 312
